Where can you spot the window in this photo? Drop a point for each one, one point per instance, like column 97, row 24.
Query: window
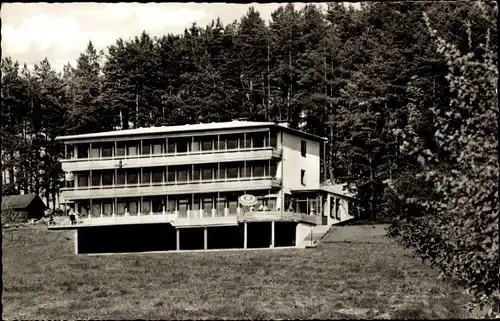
column 246, row 141
column 120, row 149
column 195, row 146
column 219, row 173
column 120, row 178
column 337, row 208
column 258, row 140
column 132, row 177
column 196, row 173
column 206, row 143
column 182, row 145
column 107, row 150
column 303, row 148
column 107, row 208
column 107, row 178
column 146, row 176
column 120, row 207
column 82, row 208
column 232, row 171
column 132, row 207
column 207, row 173
column 221, row 143
column 83, row 180
column 171, row 174
column 146, row 148
column 83, row 150
column 182, row 174
column 258, row 169
column 302, row 177
column 273, row 168
column 96, row 179
column 96, row 209
column 232, row 142
column 171, row 205
column 158, row 175
column 146, row 206
column 69, row 151
column 157, row 147
column 171, row 146
column 248, row 170
column 95, row 152
column 207, row 206
column 132, row 149
column 273, row 141
column 157, row 205
column 182, row 206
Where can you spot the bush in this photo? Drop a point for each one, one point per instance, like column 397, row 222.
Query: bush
column 452, row 219
column 9, row 216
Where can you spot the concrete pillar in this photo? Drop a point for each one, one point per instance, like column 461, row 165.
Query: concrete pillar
column 272, row 233
column 245, row 234
column 178, row 239
column 205, row 238
column 75, row 235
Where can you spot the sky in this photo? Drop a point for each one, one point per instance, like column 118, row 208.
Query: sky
column 61, row 31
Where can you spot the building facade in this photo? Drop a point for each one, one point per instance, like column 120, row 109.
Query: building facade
column 183, row 183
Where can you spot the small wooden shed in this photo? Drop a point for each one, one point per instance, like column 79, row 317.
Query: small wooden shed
column 28, row 206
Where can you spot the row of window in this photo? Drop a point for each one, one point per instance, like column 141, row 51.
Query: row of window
column 173, row 145
column 181, row 203
column 177, row 174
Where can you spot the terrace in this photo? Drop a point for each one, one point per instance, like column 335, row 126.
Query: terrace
column 225, row 216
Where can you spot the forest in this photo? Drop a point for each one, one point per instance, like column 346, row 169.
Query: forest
column 405, row 92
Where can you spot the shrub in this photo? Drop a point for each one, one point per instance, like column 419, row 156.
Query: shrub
column 453, row 220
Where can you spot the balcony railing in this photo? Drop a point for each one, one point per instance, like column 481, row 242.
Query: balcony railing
column 170, row 188
column 170, row 159
column 188, row 219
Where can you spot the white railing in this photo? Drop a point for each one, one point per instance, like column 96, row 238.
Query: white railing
column 137, row 190
column 151, row 160
column 194, row 217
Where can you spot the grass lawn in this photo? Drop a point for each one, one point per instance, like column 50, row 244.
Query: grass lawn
column 354, row 273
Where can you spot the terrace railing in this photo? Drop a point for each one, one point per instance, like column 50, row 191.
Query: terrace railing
column 188, row 218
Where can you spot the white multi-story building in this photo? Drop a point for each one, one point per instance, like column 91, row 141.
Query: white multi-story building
column 179, row 187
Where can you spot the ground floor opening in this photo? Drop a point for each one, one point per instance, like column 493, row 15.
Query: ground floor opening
column 165, row 237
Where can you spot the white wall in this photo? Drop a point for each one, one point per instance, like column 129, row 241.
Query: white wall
column 294, row 162
column 343, row 209
column 302, row 231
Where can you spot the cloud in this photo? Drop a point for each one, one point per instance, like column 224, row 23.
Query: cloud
column 61, row 31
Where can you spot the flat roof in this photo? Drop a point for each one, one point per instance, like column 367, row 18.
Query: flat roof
column 235, row 124
column 337, row 189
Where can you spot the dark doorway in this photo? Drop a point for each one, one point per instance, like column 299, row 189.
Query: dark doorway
column 126, row 238
column 191, row 238
column 284, row 233
column 225, row 237
column 259, row 235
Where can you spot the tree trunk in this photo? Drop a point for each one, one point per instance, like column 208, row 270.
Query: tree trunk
column 137, row 124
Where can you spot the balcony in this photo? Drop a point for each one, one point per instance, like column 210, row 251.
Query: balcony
column 158, row 189
column 152, row 160
column 193, row 219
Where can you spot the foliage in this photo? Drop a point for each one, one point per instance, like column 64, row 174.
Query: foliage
column 456, row 221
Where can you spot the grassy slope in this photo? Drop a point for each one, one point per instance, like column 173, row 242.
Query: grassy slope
column 366, row 278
